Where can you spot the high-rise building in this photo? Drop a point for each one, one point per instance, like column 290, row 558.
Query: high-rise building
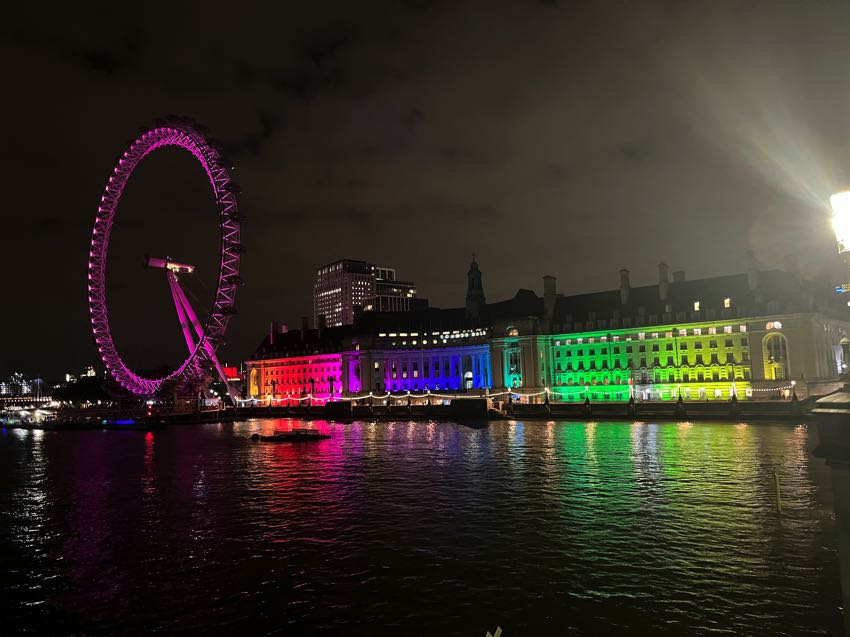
column 391, row 295
column 347, row 285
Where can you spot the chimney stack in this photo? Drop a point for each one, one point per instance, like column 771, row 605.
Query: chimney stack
column 549, row 295
column 305, row 325
column 663, row 282
column 272, row 332
column 625, row 287
column 752, row 270
column 678, row 276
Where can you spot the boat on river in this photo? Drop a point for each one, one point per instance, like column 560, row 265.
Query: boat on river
column 303, row 434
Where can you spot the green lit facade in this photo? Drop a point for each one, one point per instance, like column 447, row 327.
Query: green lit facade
column 698, row 361
column 763, row 334
column 758, row 357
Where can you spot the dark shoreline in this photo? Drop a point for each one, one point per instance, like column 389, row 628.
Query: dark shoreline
column 469, row 411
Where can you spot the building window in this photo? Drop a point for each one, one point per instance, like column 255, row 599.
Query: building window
column 727, row 302
column 696, row 306
column 775, row 357
column 727, row 329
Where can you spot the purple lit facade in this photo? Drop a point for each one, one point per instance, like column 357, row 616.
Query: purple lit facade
column 202, row 355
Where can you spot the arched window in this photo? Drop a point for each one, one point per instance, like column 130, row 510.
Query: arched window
column 512, row 331
column 775, row 352
column 254, row 383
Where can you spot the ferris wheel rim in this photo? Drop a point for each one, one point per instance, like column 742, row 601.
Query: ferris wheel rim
column 190, row 137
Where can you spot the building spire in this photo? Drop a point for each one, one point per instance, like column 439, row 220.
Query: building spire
column 475, row 299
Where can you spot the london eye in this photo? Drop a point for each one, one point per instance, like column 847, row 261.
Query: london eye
column 203, row 336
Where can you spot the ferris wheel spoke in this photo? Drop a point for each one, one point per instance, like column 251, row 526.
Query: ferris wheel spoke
column 181, row 312
column 189, row 313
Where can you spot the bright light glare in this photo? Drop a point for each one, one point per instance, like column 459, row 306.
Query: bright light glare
column 840, row 203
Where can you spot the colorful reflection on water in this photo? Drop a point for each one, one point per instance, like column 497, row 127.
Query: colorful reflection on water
column 414, row 527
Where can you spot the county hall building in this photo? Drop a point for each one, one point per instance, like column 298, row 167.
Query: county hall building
column 762, row 334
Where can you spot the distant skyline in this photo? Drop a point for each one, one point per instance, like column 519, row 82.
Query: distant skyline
column 563, row 138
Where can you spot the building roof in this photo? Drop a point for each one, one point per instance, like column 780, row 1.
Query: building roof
column 757, row 293
column 294, row 343
column 524, row 303
column 775, row 292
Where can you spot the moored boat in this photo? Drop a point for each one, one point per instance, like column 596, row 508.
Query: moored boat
column 292, row 435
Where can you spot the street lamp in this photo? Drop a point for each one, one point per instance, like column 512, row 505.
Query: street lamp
column 840, row 203
column 833, row 417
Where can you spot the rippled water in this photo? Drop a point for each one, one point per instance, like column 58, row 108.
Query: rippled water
column 419, row 529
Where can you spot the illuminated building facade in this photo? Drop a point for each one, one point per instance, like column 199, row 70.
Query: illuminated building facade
column 347, row 286
column 763, row 334
column 18, row 385
column 290, row 365
column 288, row 368
column 455, row 360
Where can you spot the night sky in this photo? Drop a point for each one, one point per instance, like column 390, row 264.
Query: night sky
column 563, row 138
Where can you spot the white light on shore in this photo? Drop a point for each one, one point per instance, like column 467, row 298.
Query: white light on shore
column 840, row 203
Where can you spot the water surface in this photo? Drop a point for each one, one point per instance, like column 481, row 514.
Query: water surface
column 419, row 529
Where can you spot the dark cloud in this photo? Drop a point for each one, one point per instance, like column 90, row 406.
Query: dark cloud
column 254, row 141
column 636, row 152
column 414, row 118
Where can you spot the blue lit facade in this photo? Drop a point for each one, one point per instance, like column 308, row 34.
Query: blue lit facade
column 456, row 360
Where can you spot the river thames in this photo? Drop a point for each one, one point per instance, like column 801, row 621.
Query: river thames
column 420, row 529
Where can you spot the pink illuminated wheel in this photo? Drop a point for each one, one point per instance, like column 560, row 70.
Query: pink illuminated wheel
column 185, row 134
